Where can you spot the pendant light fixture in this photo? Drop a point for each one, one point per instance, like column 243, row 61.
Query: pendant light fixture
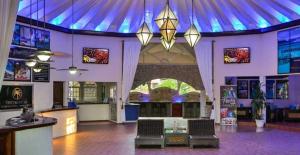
column 167, row 23
column 144, row 34
column 72, row 69
column 166, row 44
column 192, row 35
column 37, row 69
column 43, row 55
column 165, row 14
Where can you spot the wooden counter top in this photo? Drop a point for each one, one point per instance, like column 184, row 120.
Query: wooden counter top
column 42, row 122
column 59, row 109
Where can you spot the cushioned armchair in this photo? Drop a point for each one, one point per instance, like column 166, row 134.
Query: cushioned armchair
column 150, row 132
column 202, row 133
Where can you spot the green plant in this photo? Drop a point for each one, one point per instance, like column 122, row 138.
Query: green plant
column 258, row 102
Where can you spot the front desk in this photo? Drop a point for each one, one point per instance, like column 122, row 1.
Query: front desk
column 66, row 120
column 33, row 138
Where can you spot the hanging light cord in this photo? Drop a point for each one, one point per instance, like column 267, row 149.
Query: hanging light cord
column 72, row 32
column 144, row 10
column 192, row 12
column 44, row 14
column 30, row 22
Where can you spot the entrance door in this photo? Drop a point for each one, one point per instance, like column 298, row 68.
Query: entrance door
column 176, row 110
column 58, row 93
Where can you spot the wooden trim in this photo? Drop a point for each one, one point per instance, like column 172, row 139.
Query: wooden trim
column 26, row 20
column 94, row 121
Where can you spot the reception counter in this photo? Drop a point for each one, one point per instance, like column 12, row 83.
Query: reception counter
column 66, row 120
column 27, row 139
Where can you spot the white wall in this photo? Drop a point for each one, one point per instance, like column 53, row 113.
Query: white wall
column 263, row 62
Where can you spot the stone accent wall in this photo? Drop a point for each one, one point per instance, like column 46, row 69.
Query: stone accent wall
column 185, row 73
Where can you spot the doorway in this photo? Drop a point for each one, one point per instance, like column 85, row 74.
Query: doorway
column 58, row 93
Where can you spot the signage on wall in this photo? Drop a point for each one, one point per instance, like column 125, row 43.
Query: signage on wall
column 43, row 75
column 15, row 97
column 237, row 55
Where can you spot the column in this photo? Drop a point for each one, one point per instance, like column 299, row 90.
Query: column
column 203, row 103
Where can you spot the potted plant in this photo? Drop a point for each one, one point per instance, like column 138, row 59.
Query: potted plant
column 258, row 104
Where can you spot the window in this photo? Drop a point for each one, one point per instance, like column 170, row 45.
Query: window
column 74, row 88
column 92, row 92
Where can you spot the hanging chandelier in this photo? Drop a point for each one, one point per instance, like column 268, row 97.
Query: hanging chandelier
column 144, row 34
column 167, row 23
column 192, row 35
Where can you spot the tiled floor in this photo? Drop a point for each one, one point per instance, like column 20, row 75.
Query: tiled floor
column 111, row 139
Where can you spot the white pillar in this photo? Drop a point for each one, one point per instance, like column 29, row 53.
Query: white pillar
column 262, row 80
column 203, row 103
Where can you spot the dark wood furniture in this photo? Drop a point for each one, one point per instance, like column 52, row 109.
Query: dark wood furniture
column 150, row 132
column 292, row 115
column 202, row 133
column 244, row 113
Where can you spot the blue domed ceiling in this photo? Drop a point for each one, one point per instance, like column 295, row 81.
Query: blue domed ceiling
column 126, row 16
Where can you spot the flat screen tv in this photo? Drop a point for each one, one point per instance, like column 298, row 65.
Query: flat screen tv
column 237, row 55
column 289, row 51
column 95, row 55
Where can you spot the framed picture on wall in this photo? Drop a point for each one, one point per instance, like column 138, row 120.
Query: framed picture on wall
column 42, row 39
column 237, row 55
column 253, row 84
column 27, row 36
column 95, row 55
column 22, row 72
column 16, row 35
column 282, row 89
column 9, row 74
column 242, row 89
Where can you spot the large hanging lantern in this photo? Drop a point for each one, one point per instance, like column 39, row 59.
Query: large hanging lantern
column 144, row 34
column 165, row 14
column 168, row 30
column 192, row 35
column 166, row 44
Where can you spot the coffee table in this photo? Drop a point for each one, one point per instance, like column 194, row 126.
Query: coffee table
column 176, row 137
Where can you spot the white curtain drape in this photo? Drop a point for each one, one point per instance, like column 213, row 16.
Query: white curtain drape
column 131, row 58
column 203, row 51
column 8, row 14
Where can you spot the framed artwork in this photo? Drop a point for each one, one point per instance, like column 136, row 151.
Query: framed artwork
column 43, row 75
column 237, row 55
column 15, row 97
column 42, row 39
column 9, row 74
column 27, row 36
column 282, row 89
column 242, row 89
column 270, row 89
column 21, row 53
column 22, row 72
column 95, row 55
column 16, row 35
column 253, row 84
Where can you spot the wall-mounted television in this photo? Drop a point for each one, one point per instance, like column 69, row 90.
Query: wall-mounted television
column 289, row 51
column 95, row 55
column 237, row 55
